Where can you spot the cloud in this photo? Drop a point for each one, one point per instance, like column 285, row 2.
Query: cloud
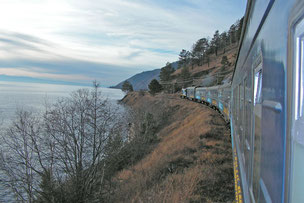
column 35, row 73
column 108, row 39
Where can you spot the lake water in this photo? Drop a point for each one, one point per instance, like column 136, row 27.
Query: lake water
column 33, row 96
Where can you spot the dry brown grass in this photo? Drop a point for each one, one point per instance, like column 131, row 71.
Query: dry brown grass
column 215, row 61
column 192, row 162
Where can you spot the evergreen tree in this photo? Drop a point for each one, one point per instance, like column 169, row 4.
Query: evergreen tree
column 232, row 34
column 127, row 86
column 239, row 29
column 199, row 49
column 224, row 41
column 224, row 62
column 165, row 72
column 184, row 58
column 216, row 41
column 154, row 87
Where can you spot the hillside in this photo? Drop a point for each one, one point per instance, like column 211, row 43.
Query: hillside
column 141, row 80
column 215, row 62
column 209, row 62
column 206, row 74
column 192, row 161
column 212, row 73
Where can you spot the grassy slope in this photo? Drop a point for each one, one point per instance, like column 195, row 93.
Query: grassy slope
column 215, row 63
column 191, row 163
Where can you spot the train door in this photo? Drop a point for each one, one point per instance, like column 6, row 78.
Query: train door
column 256, row 132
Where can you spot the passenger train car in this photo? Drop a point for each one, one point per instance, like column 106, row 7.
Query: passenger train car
column 265, row 103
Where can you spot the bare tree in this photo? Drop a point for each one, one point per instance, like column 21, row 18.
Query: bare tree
column 22, row 158
column 81, row 126
column 60, row 156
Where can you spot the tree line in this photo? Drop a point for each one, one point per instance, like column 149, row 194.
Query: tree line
column 204, row 47
column 154, row 87
column 200, row 54
column 201, row 51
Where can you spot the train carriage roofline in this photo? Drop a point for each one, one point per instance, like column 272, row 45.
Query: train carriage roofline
column 244, row 28
column 226, row 85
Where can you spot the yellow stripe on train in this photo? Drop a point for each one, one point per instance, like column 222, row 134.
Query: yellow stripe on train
column 237, row 181
column 226, row 111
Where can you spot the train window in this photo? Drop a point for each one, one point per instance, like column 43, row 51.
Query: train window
column 241, row 115
column 257, row 87
column 248, row 134
column 237, row 110
column 257, row 115
column 234, row 103
column 244, row 119
column 220, row 93
column 235, row 97
column 238, row 104
column 297, row 133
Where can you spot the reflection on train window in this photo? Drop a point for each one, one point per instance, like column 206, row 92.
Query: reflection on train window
column 238, row 104
column 257, row 87
column 244, row 121
column 257, row 109
column 297, row 144
column 241, row 123
column 234, row 103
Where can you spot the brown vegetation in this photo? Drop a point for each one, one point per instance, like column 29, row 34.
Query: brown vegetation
column 191, row 163
column 215, row 62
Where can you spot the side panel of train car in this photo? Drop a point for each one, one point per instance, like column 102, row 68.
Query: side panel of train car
column 183, row 93
column 190, row 93
column 266, row 109
column 224, row 100
column 217, row 96
column 201, row 94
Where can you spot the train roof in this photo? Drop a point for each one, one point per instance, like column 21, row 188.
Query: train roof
column 244, row 28
column 191, row 87
column 227, row 85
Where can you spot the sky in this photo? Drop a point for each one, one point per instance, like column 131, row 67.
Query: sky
column 78, row 41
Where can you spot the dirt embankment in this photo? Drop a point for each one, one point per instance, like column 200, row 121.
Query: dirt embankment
column 191, row 163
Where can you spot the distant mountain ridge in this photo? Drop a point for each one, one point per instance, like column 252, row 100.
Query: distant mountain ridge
column 141, row 80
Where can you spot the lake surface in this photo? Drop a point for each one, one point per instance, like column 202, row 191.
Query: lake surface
column 33, row 96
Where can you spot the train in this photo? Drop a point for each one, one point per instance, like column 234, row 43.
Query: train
column 217, row 97
column 264, row 103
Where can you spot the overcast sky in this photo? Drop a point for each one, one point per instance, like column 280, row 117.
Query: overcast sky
column 77, row 41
